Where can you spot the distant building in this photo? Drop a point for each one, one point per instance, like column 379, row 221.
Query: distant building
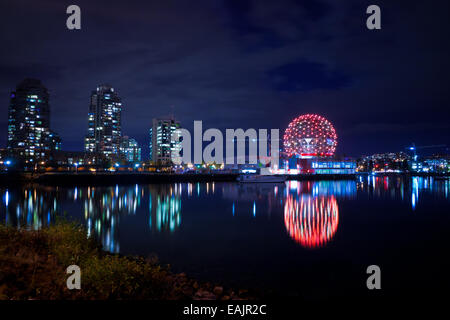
column 104, row 123
column 161, row 143
column 416, row 166
column 318, row 165
column 437, row 164
column 29, row 135
column 3, row 157
column 331, row 166
column 384, row 162
column 431, row 164
column 71, row 158
column 130, row 150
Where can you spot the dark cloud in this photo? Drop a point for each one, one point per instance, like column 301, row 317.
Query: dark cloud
column 31, row 70
column 306, row 76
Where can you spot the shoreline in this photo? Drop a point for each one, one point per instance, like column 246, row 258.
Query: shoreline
column 33, row 266
column 123, row 178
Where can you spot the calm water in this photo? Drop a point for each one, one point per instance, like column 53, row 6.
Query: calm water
column 313, row 239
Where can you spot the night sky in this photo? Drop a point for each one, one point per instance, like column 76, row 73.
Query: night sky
column 238, row 64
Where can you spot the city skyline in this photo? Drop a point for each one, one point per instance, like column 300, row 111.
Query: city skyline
column 104, row 135
column 244, row 73
column 287, row 153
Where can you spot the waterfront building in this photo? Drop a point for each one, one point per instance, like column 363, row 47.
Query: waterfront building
column 4, row 161
column 433, row 164
column 317, row 165
column 104, row 123
column 130, row 150
column 309, row 146
column 72, row 159
column 29, row 135
column 331, row 166
column 161, row 144
column 416, row 166
column 384, row 162
column 437, row 165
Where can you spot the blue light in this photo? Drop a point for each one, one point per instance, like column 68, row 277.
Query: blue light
column 8, row 162
column 412, row 148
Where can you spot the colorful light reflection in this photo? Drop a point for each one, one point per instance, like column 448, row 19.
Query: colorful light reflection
column 311, row 221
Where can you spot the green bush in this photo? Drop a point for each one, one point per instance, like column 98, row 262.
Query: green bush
column 33, row 264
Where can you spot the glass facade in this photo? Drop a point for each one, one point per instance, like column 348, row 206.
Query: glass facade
column 104, row 123
column 333, row 167
column 297, row 165
column 29, row 134
column 161, row 143
column 130, row 150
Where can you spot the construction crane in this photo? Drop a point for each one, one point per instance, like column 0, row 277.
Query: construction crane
column 414, row 148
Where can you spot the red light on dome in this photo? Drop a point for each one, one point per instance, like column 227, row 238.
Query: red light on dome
column 310, row 135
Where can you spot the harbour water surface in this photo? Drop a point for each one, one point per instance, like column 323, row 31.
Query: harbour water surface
column 312, row 239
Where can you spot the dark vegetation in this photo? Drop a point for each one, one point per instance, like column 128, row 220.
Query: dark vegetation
column 33, row 266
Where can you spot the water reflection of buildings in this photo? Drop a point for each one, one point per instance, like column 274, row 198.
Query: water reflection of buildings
column 245, row 197
column 164, row 207
column 310, row 208
column 38, row 206
column 103, row 208
column 394, row 187
column 29, row 207
column 341, row 189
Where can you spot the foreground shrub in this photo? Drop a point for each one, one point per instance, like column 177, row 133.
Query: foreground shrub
column 33, row 265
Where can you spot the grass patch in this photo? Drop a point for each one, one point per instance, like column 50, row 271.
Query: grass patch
column 33, row 266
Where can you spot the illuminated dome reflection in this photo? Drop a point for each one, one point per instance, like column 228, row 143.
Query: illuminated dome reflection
column 311, row 221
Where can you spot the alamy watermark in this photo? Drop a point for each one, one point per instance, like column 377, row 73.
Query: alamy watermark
column 74, row 280
column 373, row 22
column 261, row 148
column 374, row 280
